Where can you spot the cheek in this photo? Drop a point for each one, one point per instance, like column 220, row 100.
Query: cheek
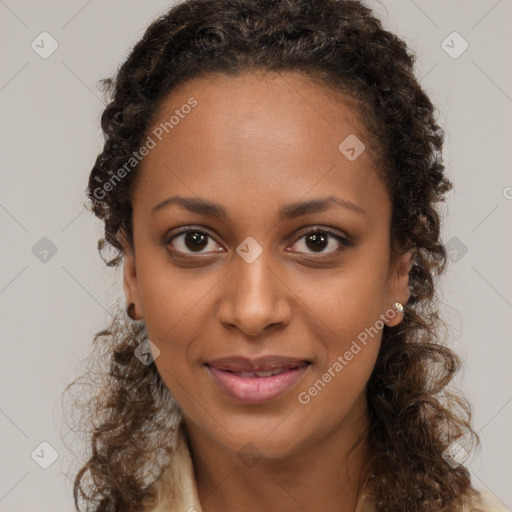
column 336, row 387
column 348, row 357
column 350, row 302
column 176, row 311
column 172, row 300
column 352, row 319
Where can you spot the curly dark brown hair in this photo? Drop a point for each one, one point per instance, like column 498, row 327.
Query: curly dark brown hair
column 414, row 413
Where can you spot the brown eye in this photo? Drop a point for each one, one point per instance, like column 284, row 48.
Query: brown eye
column 317, row 241
column 320, row 239
column 191, row 241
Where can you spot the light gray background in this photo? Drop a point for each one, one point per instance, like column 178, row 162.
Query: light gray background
column 50, row 138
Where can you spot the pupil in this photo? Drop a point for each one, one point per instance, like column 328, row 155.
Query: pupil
column 198, row 240
column 318, row 241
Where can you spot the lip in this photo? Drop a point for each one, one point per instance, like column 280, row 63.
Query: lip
column 264, row 363
column 228, row 374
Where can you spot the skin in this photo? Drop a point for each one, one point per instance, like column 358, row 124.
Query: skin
column 254, row 143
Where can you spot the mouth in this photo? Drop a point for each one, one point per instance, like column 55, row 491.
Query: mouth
column 259, row 380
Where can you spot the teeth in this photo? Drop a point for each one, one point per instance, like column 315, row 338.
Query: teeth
column 267, row 373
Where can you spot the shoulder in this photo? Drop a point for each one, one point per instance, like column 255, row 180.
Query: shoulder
column 485, row 501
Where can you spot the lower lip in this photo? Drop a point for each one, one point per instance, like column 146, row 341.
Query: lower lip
column 254, row 390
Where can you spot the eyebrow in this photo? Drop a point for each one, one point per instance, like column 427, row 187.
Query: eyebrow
column 289, row 211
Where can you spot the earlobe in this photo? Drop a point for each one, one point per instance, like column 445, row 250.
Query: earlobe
column 130, row 279
column 399, row 292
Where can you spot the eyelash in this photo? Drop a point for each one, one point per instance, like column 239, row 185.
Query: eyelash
column 327, row 231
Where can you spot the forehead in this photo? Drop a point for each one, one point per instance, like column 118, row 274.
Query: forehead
column 272, row 108
column 277, row 135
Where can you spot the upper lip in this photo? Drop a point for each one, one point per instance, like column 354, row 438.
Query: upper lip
column 260, row 364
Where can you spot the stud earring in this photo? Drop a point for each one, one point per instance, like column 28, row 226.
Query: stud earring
column 398, row 307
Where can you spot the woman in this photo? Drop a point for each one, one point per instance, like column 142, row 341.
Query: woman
column 269, row 179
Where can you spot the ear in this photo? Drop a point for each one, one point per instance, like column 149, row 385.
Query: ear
column 398, row 284
column 130, row 288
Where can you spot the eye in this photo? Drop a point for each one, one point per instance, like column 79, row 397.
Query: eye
column 193, row 240
column 320, row 239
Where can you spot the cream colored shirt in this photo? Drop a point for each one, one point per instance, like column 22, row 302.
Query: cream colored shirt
column 178, row 492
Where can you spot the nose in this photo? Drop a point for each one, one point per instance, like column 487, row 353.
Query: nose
column 255, row 297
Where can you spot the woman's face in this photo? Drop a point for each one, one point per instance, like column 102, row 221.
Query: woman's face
column 252, row 287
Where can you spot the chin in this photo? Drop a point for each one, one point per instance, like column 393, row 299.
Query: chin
column 267, row 438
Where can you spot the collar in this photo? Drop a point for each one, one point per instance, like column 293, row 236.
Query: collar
column 177, row 489
column 179, row 494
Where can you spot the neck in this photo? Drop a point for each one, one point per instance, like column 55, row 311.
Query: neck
column 323, row 475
